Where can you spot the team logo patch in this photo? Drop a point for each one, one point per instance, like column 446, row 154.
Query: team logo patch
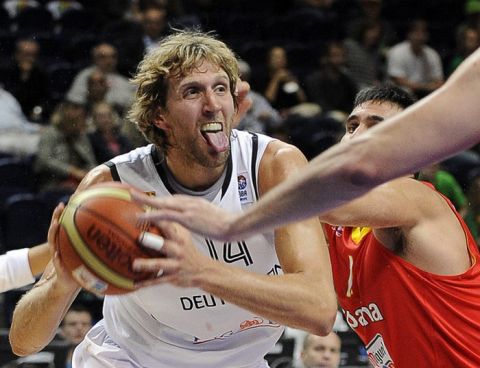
column 378, row 353
column 244, row 189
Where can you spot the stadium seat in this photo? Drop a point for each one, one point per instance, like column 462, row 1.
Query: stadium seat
column 24, row 221
column 31, row 22
column 17, row 172
column 61, row 76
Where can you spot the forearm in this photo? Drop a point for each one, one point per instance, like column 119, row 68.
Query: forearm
column 38, row 315
column 323, row 184
column 38, row 258
column 287, row 299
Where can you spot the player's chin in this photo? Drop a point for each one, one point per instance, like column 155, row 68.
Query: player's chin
column 217, row 159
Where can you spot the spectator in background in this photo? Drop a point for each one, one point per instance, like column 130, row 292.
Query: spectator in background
column 468, row 40
column 75, row 325
column 370, row 11
column 154, row 22
column 120, row 91
column 97, row 91
column 473, row 215
column 13, row 7
column 364, row 55
column 472, row 16
column 26, row 80
column 321, row 351
column 17, row 134
column 331, row 86
column 143, row 25
column 446, row 184
column 413, row 65
column 65, row 154
column 106, row 139
column 300, row 337
column 59, row 7
column 280, row 86
column 261, row 117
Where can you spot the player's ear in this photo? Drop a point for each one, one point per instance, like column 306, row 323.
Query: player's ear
column 160, row 120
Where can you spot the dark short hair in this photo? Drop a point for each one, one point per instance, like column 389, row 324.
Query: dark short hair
column 385, row 93
column 79, row 308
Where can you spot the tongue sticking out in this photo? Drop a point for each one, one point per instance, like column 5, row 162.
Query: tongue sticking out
column 218, row 141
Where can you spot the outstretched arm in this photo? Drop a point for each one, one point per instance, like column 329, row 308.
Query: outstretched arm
column 444, row 123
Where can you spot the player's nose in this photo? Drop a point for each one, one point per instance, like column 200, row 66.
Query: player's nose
column 211, row 102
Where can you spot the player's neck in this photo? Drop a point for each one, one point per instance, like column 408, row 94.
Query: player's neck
column 193, row 176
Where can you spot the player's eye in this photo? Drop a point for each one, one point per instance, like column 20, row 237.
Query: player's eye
column 221, row 89
column 351, row 127
column 191, row 92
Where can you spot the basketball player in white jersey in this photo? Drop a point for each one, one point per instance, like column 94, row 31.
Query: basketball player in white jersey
column 224, row 303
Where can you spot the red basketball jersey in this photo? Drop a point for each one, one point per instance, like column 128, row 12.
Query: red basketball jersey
column 407, row 318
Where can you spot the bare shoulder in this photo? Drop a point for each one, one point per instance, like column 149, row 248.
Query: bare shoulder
column 281, row 153
column 436, row 243
column 421, row 195
column 99, row 174
column 279, row 161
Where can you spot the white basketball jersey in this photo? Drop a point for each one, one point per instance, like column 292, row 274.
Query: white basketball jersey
column 167, row 326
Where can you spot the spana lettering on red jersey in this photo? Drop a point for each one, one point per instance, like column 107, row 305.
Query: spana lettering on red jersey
column 363, row 316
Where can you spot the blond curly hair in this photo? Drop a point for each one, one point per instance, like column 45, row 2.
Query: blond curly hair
column 176, row 56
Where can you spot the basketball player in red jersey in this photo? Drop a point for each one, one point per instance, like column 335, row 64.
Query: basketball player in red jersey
column 405, row 265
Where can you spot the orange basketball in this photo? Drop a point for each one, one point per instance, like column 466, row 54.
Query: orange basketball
column 99, row 238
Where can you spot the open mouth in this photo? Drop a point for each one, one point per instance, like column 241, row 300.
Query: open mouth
column 211, row 128
column 215, row 136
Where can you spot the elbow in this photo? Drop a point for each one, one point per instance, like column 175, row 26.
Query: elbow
column 321, row 318
column 19, row 347
column 324, row 323
column 20, row 341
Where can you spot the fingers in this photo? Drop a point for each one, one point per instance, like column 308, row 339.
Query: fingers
column 169, row 248
column 170, row 209
column 156, row 265
column 165, row 269
column 152, row 241
column 170, row 279
column 176, row 202
column 174, row 232
column 55, row 224
column 244, row 102
column 242, row 89
column 164, row 215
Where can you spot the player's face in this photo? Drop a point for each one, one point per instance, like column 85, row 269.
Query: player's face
column 367, row 115
column 198, row 116
column 322, row 351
